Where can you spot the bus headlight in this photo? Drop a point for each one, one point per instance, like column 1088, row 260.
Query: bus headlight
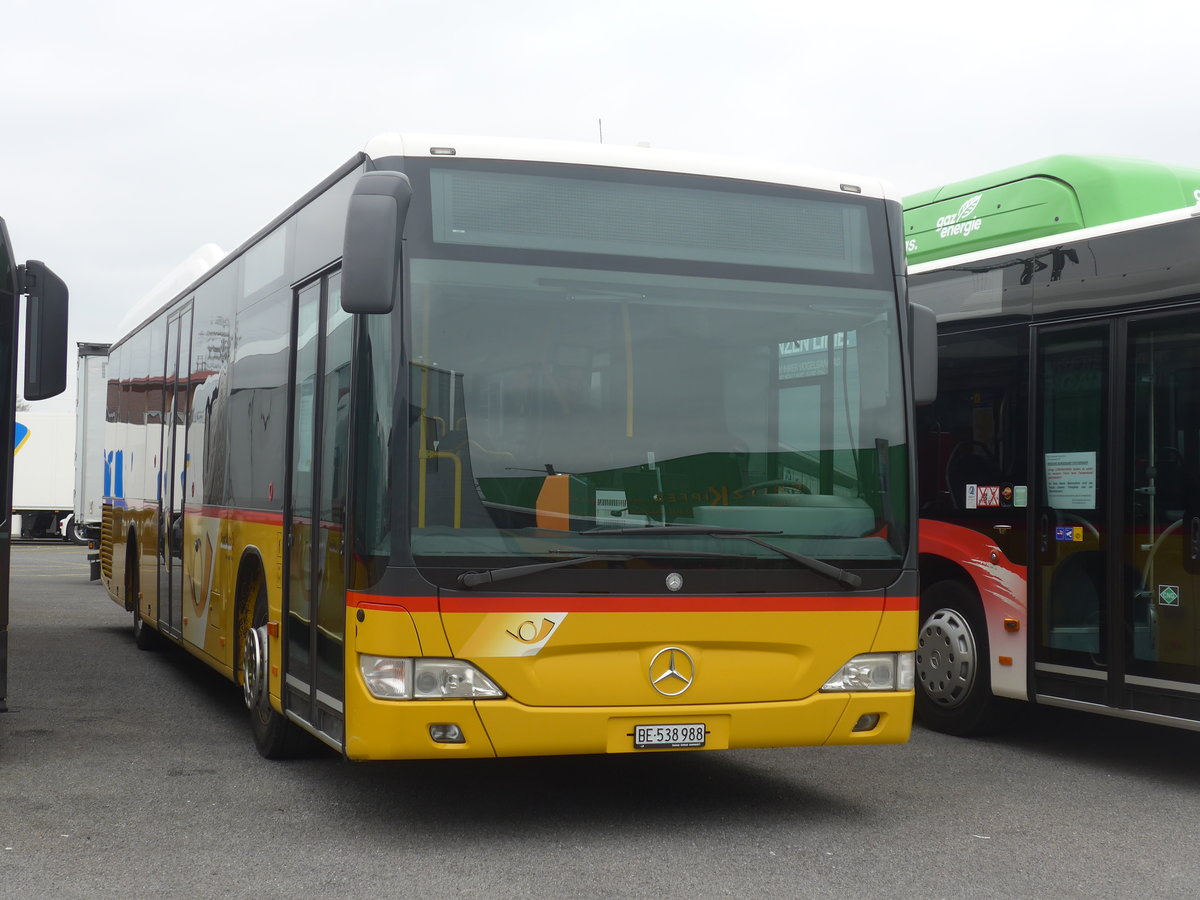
column 874, row 672
column 392, row 678
column 387, row 678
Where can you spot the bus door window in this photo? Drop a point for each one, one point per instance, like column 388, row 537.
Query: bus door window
column 301, row 514
column 334, row 457
column 316, row 567
column 1163, row 500
column 1071, row 581
column 173, row 469
column 165, row 465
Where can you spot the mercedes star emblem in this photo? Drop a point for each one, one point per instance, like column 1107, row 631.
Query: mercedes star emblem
column 672, row 671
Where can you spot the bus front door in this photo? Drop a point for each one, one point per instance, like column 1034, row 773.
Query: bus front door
column 1069, row 581
column 315, row 522
column 172, row 472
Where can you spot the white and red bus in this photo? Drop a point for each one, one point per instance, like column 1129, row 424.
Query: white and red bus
column 1060, row 465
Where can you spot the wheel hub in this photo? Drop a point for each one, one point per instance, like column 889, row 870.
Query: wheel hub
column 946, row 658
column 254, row 666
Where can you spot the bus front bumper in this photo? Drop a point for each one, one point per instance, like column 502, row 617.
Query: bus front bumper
column 489, row 728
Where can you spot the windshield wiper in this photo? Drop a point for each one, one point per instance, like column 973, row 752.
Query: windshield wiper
column 841, row 576
column 490, row 576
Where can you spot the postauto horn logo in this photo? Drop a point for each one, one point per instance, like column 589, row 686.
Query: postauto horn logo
column 961, row 223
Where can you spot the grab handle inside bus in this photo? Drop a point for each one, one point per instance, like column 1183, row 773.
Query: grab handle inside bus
column 371, row 251
column 923, row 334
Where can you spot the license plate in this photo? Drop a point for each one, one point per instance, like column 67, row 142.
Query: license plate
column 647, row 736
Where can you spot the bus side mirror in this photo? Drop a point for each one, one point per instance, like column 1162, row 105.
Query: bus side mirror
column 924, row 345
column 371, row 252
column 45, row 331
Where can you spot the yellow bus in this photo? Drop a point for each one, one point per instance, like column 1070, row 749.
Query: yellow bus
column 497, row 447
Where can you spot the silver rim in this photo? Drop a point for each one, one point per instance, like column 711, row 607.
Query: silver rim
column 946, row 658
column 254, row 665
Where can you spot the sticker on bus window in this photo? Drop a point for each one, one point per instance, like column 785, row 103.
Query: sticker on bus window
column 989, row 495
column 1020, row 495
column 1168, row 595
column 1071, row 480
column 972, row 500
column 1069, row 533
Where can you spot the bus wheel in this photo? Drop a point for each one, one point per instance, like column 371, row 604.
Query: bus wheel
column 954, row 686
column 272, row 732
column 145, row 637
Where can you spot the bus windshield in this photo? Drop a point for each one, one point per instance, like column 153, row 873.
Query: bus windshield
column 714, row 355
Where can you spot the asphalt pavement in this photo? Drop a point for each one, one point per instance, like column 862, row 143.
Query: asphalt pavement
column 131, row 774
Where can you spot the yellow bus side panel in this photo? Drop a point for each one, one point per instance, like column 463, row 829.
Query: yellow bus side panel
column 247, row 538
column 213, row 548
column 143, row 523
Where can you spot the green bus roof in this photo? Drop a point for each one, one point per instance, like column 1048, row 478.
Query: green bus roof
column 1048, row 196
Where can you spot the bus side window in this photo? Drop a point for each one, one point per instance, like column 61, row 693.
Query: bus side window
column 978, row 425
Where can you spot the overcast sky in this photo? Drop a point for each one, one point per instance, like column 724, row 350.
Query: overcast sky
column 138, row 131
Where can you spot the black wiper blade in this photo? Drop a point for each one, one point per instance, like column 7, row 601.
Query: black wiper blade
column 841, row 576
column 490, row 576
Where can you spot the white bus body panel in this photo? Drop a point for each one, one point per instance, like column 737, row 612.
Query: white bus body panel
column 91, row 391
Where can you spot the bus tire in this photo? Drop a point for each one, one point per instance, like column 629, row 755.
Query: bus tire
column 144, row 637
column 954, row 685
column 272, row 731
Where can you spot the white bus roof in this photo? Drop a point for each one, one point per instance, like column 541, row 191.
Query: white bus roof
column 746, row 168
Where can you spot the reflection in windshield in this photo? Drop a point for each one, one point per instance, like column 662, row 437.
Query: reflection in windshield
column 551, row 401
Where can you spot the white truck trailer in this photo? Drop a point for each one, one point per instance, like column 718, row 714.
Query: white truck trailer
column 91, row 392
column 43, row 496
